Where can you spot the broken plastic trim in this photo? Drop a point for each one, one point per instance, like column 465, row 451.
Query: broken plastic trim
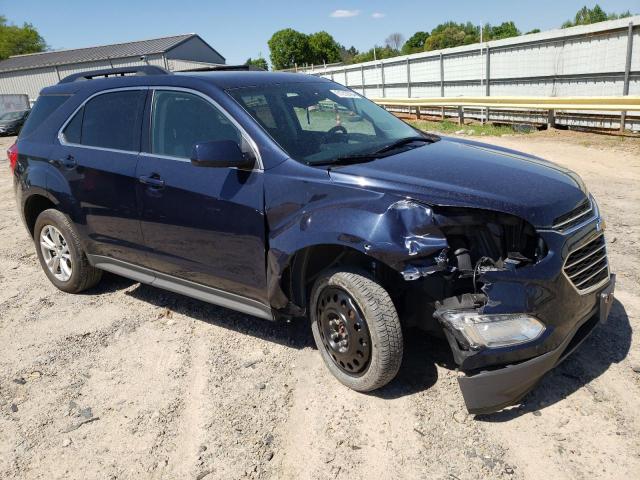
column 414, row 272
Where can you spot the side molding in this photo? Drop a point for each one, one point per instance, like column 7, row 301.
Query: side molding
column 182, row 286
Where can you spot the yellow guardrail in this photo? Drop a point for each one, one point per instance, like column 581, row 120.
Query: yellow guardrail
column 629, row 103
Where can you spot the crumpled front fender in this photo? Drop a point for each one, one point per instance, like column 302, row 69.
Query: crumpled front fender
column 396, row 232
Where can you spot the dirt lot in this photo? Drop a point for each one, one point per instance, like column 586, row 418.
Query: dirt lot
column 128, row 381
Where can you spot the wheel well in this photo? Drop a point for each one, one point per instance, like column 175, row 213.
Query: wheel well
column 34, row 206
column 308, row 263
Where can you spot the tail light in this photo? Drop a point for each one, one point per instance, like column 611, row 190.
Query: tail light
column 12, row 154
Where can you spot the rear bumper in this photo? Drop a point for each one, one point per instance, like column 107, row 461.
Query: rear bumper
column 493, row 390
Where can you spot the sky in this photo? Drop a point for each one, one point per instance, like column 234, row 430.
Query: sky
column 239, row 29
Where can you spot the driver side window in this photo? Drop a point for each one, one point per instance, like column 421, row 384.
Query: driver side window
column 327, row 114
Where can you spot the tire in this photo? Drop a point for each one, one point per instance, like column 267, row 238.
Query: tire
column 82, row 275
column 372, row 307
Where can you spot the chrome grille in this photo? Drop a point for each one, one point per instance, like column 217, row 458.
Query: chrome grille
column 587, row 267
column 575, row 217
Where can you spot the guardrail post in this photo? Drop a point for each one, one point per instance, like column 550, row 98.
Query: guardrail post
column 551, row 119
column 362, row 78
column 382, row 77
column 460, row 115
column 627, row 72
column 409, row 79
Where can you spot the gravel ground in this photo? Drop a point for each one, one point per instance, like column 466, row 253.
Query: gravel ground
column 128, row 381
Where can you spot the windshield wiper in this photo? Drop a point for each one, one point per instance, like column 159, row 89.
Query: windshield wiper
column 348, row 159
column 403, row 141
column 380, row 153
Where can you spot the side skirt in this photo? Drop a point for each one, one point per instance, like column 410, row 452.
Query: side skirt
column 182, row 286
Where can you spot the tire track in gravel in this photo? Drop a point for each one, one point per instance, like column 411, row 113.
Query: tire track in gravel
column 183, row 458
column 334, row 432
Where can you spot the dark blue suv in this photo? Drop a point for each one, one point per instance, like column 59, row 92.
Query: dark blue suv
column 287, row 196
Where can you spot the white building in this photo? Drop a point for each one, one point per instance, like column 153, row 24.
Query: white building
column 28, row 74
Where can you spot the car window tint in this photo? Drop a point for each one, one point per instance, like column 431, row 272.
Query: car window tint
column 44, row 107
column 72, row 132
column 180, row 120
column 112, row 120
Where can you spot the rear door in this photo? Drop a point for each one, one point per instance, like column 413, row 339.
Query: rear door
column 202, row 224
column 98, row 153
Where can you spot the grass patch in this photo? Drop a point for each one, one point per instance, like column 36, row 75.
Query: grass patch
column 449, row 127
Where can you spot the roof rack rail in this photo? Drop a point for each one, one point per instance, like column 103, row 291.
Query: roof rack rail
column 222, row 68
column 115, row 72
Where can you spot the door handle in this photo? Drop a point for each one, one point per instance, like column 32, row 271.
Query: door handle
column 152, row 181
column 68, row 162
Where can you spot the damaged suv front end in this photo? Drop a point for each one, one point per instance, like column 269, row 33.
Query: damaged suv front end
column 516, row 314
column 512, row 298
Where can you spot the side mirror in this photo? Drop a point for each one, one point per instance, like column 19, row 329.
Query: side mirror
column 219, row 154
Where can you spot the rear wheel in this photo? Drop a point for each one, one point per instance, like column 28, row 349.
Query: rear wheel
column 61, row 254
column 356, row 329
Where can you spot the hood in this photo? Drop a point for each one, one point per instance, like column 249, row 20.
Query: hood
column 463, row 173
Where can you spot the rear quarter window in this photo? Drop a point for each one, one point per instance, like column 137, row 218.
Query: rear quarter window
column 44, row 107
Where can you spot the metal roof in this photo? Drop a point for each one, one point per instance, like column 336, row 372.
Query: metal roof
column 89, row 54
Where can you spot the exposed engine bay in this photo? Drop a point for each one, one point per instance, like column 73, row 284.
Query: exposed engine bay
column 479, row 242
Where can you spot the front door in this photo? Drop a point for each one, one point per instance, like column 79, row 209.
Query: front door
column 202, row 224
column 98, row 155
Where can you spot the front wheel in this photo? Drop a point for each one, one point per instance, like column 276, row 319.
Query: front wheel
column 356, row 329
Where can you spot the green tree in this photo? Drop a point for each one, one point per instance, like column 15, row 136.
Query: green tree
column 451, row 34
column 289, row 47
column 535, row 30
column 504, row 30
column 587, row 16
column 16, row 40
column 257, row 63
column 347, row 54
column 380, row 53
column 415, row 43
column 323, row 49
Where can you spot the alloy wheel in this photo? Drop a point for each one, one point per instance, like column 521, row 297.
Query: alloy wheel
column 56, row 254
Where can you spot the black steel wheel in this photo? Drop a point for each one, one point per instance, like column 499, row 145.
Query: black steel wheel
column 356, row 329
column 344, row 332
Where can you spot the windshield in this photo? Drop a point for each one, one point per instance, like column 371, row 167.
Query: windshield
column 11, row 116
column 322, row 122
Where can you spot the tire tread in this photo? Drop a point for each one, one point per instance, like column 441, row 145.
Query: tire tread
column 382, row 316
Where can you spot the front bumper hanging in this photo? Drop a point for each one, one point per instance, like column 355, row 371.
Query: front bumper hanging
column 492, row 390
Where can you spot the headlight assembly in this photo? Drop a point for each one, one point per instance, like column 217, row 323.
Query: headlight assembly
column 493, row 331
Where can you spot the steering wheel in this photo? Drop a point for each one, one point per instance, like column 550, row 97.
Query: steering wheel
column 337, row 134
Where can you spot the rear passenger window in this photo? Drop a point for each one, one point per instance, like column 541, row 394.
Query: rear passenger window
column 112, row 120
column 44, row 107
column 180, row 120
